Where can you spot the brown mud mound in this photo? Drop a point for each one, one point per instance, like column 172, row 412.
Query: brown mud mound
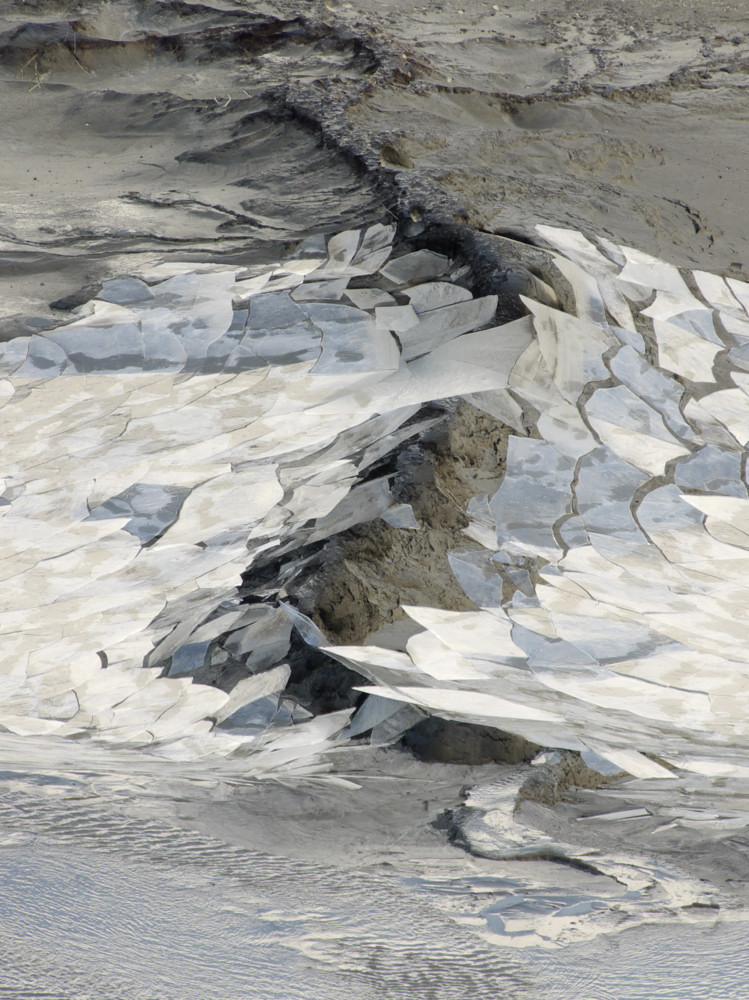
column 376, row 568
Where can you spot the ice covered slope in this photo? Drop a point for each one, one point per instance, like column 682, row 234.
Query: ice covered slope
column 200, row 420
column 611, row 566
column 179, row 430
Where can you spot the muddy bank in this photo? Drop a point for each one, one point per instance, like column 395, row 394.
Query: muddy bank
column 626, row 120
column 204, row 131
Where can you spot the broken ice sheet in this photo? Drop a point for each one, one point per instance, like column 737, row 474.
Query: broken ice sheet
column 715, row 291
column 632, row 429
column 369, row 298
column 440, row 325
column 351, row 341
column 713, row 470
column 536, row 492
column 740, row 290
column 401, row 515
column 435, row 294
column 477, row 576
column 417, row 266
column 684, row 353
column 652, row 273
column 659, row 390
column 151, row 508
column 572, row 348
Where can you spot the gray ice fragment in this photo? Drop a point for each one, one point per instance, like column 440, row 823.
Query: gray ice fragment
column 124, row 291
column 712, row 470
column 401, row 515
column 420, row 265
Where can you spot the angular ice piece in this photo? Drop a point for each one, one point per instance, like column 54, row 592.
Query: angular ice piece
column 152, row 508
column 530, row 380
column 690, row 315
column 245, row 288
column 536, row 492
column 396, row 317
column 437, row 660
column 341, row 249
column 351, row 341
column 710, row 429
column 604, row 492
column 13, row 354
column 715, row 291
column 375, row 239
column 612, row 251
column 589, row 304
column 363, row 503
column 650, row 272
column 369, row 298
column 435, row 294
column 727, row 517
column 501, row 404
column 714, row 470
column 320, row 291
column 23, row 725
column 306, row 628
column 301, row 266
column 197, row 308
column 468, row 706
column 261, row 643
column 124, row 291
column 401, row 515
column 418, row 266
column 632, row 429
column 738, row 328
column 741, row 290
column 606, row 768
column 615, row 692
column 250, row 690
column 376, row 247
column 188, row 658
column 572, row 532
column 288, row 345
column 572, row 348
column 576, row 246
column 395, row 725
column 44, row 359
column 562, row 426
column 163, row 351
column 476, row 635
column 481, row 527
column 728, row 407
column 274, row 311
column 660, row 391
column 672, row 523
column 685, row 354
column 493, row 352
column 630, row 338
column 477, row 577
column 375, row 710
column 631, row 761
column 441, row 325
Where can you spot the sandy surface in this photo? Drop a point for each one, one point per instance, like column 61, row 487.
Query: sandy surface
column 627, row 119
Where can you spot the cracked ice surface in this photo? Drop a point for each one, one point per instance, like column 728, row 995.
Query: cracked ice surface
column 622, row 526
column 200, row 420
column 189, row 424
